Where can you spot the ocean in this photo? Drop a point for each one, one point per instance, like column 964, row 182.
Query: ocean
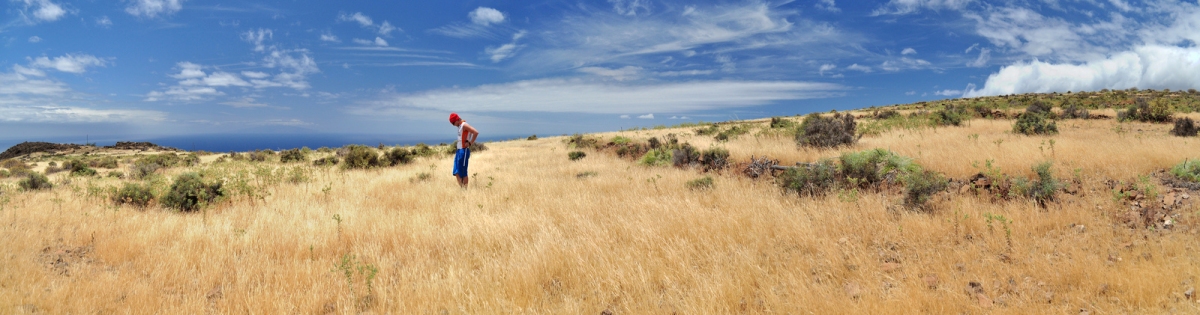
column 249, row 142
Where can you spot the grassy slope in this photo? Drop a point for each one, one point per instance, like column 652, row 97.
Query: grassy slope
column 630, row 239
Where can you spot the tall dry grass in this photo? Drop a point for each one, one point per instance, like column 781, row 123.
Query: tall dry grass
column 532, row 236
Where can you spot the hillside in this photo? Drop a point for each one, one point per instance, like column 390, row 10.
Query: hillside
column 615, row 232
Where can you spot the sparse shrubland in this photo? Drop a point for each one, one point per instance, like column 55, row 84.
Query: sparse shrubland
column 360, row 157
column 1143, row 110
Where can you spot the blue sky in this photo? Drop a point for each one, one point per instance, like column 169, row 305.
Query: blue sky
column 147, row 68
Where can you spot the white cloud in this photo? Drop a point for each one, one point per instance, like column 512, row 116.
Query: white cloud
column 910, row 93
column 683, row 73
column 43, row 10
column 826, row 67
column 904, row 63
column 68, row 63
column 912, row 6
column 13, row 111
column 358, row 17
column 982, row 60
column 188, row 70
column 857, row 67
column 948, row 93
column 380, row 42
column 647, row 116
column 182, row 93
column 35, row 39
column 624, row 116
column 1121, row 5
column 604, row 97
column 18, row 69
column 621, row 74
column 1147, row 66
column 386, row 28
column 377, row 42
column 257, row 37
column 330, row 38
column 19, row 81
column 246, row 102
column 827, row 5
column 153, row 8
column 255, row 74
column 104, row 21
column 505, row 51
column 908, row 51
column 486, row 16
column 630, row 7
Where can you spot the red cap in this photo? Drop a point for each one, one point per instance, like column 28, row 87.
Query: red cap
column 454, row 117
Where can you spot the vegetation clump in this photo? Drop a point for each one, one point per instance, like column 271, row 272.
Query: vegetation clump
column 950, row 116
column 35, row 181
column 1185, row 127
column 189, row 192
column 827, row 132
column 656, row 157
column 576, row 155
column 814, row 179
column 397, row 156
column 326, row 161
column 139, row 195
column 1144, row 111
column 532, row 137
column 360, row 157
column 579, row 141
column 703, row 183
column 1074, row 111
column 782, row 123
column 1188, row 170
column 261, row 155
column 78, row 168
column 921, row 185
column 732, row 133
column 292, row 155
column 1036, row 120
column 1042, row 189
column 873, row 168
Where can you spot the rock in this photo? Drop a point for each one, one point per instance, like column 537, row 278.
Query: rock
column 931, row 281
column 964, row 189
column 853, row 290
column 843, row 240
column 984, row 301
column 983, row 182
column 606, row 312
column 1185, row 196
column 1084, row 311
column 1190, row 293
column 1080, row 228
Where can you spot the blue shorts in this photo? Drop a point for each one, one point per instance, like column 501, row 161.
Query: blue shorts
column 460, row 162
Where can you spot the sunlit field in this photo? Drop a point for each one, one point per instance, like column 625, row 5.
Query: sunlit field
column 539, row 233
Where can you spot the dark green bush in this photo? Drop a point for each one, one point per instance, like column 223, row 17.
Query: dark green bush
column 703, row 183
column 1184, row 127
column 811, row 180
column 732, row 133
column 35, row 181
column 189, row 192
column 1145, row 111
column 531, row 138
column 141, row 169
column 950, row 116
column 778, row 122
column 871, row 168
column 139, row 195
column 292, row 155
column 1036, row 120
column 919, row 186
column 714, row 159
column 360, row 157
column 79, row 168
column 424, row 150
column 326, row 161
column 827, row 132
column 576, row 155
column 710, row 130
column 261, row 155
column 1074, row 111
column 397, row 156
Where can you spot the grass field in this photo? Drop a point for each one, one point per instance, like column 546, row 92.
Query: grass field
column 539, row 233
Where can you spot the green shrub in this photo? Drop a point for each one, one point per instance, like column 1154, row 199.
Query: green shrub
column 576, row 155
column 579, row 141
column 35, row 181
column 52, row 169
column 710, row 130
column 811, row 180
column 732, row 133
column 1036, row 120
column 827, row 132
column 950, row 116
column 189, row 192
column 885, row 114
column 105, row 162
column 1042, row 189
column 79, row 168
column 324, row 150
column 1189, row 170
column 656, row 157
column 1074, row 111
column 5, row 173
column 1144, row 111
column 397, row 156
column 326, row 161
column 619, row 140
column 139, row 195
column 1184, row 127
column 115, row 174
column 261, row 155
column 919, row 186
column 703, row 183
column 714, row 158
column 531, row 138
column 292, row 155
column 424, row 150
column 360, row 157
column 871, row 168
column 142, row 169
column 779, row 122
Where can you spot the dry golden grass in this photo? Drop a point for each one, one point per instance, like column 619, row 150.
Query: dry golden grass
column 531, row 236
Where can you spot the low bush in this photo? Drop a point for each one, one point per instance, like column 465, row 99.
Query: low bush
column 619, row 140
column 326, row 161
column 885, row 114
column 950, row 116
column 1188, row 170
column 292, row 155
column 827, row 132
column 714, row 159
column 656, row 157
column 35, row 181
column 1146, row 111
column 52, row 169
column 576, row 155
column 79, row 168
column 1042, row 189
column 784, row 123
column 139, row 195
column 104, row 162
column 360, row 157
column 189, row 192
column 712, row 129
column 142, row 169
column 1184, row 127
column 1074, row 111
column 397, row 156
column 5, row 173
column 1036, row 120
column 115, row 174
column 811, row 180
column 921, row 185
column 579, row 141
column 261, row 155
column 703, row 183
column 872, row 168
column 531, row 138
column 732, row 133
column 424, row 150
column 685, row 155
column 478, row 147
column 324, row 150
column 632, row 150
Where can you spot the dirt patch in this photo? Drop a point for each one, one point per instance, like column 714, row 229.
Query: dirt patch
column 59, row 259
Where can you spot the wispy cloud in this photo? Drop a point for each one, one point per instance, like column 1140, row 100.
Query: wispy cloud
column 912, row 6
column 630, row 7
column 68, row 63
column 496, row 54
column 484, row 24
column 365, row 21
column 153, row 8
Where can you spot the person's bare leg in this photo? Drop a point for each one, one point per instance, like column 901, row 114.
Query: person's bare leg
column 465, row 181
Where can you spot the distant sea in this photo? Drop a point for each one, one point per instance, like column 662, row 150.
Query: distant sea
column 249, row 142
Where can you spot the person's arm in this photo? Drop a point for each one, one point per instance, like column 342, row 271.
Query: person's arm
column 472, row 134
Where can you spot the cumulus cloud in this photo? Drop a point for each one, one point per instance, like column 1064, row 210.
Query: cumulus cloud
column 153, row 8
column 486, row 16
column 45, row 10
column 1148, row 66
column 104, row 21
column 603, row 97
column 647, row 116
column 68, row 63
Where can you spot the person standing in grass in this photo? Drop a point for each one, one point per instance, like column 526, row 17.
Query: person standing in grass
column 466, row 137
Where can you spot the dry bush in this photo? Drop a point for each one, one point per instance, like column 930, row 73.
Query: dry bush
column 326, row 161
column 261, row 155
column 1036, row 120
column 703, row 183
column 920, row 185
column 35, row 181
column 397, row 156
column 827, row 132
column 1074, row 111
column 1184, row 127
column 814, row 179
